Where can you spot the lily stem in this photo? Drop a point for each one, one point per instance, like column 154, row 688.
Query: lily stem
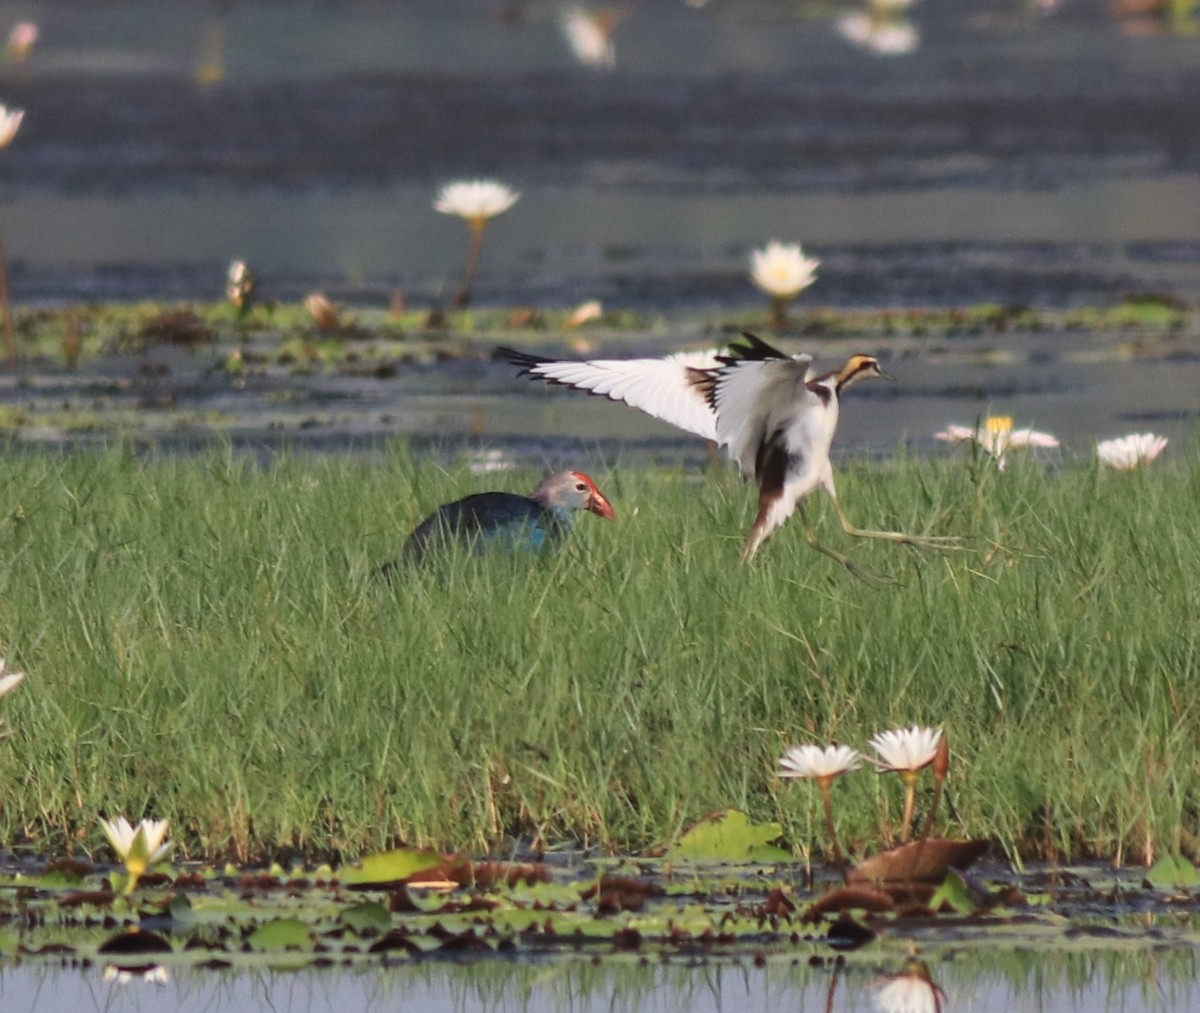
column 838, row 857
column 910, row 798
column 463, row 297
column 779, row 308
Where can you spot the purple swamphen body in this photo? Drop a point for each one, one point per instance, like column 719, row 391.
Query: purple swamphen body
column 506, row 520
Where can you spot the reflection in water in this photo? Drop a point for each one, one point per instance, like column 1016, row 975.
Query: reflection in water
column 911, row 991
column 154, row 974
column 1051, row 976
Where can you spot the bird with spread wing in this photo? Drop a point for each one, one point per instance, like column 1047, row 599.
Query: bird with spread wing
column 776, row 420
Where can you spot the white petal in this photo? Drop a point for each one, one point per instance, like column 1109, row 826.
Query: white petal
column 907, row 748
column 818, row 761
column 120, row 835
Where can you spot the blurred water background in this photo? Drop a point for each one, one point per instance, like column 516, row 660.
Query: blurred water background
column 1018, row 152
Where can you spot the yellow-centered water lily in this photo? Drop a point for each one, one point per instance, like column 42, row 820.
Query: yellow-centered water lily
column 997, row 436
column 782, row 269
column 139, row 848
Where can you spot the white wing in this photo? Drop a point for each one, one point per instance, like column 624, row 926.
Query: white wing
column 756, row 396
column 658, row 387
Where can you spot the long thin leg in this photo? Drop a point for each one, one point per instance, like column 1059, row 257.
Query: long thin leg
column 899, row 537
column 862, row 573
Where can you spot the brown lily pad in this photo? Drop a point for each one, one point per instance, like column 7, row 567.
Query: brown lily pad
column 621, row 893
column 849, row 898
column 918, row 862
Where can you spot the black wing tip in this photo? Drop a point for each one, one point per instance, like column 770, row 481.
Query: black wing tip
column 526, row 360
column 754, row 350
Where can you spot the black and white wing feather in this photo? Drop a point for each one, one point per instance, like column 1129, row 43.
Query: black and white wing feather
column 665, row 388
column 757, row 391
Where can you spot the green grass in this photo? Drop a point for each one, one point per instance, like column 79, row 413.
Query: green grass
column 206, row 641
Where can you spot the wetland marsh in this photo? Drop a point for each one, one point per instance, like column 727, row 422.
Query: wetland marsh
column 194, row 504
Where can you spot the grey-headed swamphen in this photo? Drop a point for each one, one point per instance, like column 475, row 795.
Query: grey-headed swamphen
column 505, row 520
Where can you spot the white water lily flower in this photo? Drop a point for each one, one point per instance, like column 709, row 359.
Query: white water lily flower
column 476, row 200
column 1126, row 452
column 818, row 762
column 10, row 122
column 589, row 34
column 906, row 749
column 140, row 848
column 997, row 436
column 21, row 40
column 240, row 284
column 782, row 270
column 11, row 681
column 885, row 35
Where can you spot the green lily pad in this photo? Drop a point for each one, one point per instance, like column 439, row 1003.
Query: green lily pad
column 282, row 934
column 955, row 894
column 368, row 915
column 1173, row 872
column 729, row 836
column 389, row 868
column 180, row 910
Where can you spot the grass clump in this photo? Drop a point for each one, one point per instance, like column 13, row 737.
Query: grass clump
column 207, row 641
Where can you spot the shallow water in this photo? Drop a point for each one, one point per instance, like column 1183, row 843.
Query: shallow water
column 1079, row 386
column 1129, row 982
column 1013, row 156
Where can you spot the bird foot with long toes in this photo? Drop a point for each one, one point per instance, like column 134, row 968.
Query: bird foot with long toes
column 867, row 575
column 938, row 543
column 863, row 573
